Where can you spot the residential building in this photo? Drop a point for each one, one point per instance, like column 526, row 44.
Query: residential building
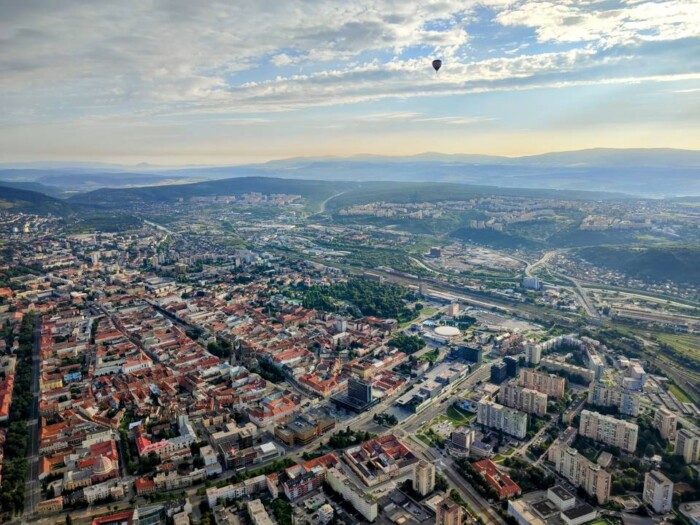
column 688, row 446
column 525, row 399
column 580, row 471
column 549, row 384
column 595, row 363
column 607, row 395
column 533, row 353
column 658, row 492
column 362, row 502
column 578, row 374
column 424, row 477
column 449, row 512
column 531, row 283
column 665, row 422
column 497, row 416
column 258, row 514
column 325, row 514
column 609, row 430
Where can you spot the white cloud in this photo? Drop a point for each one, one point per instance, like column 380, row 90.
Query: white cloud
column 625, row 23
column 455, row 121
column 75, row 59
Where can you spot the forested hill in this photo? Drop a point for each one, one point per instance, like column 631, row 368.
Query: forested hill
column 32, row 202
column 665, row 263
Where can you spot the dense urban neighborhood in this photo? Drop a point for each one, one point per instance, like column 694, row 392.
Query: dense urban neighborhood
column 233, row 363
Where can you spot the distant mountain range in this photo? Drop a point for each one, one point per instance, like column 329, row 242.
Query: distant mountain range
column 642, row 172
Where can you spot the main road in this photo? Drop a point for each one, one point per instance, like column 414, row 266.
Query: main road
column 409, row 426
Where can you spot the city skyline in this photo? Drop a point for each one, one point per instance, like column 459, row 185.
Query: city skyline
column 211, row 83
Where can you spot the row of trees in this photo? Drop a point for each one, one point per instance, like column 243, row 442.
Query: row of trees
column 14, row 472
column 385, row 419
column 347, row 437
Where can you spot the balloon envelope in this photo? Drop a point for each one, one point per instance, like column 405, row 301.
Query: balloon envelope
column 437, row 64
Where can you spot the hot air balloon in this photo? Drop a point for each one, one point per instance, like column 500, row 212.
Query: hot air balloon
column 437, row 64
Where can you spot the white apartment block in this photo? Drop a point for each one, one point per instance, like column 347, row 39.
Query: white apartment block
column 525, row 399
column 549, row 384
column 609, row 430
column 658, row 492
column 580, row 471
column 665, row 422
column 688, row 446
column 497, row 416
column 607, row 395
column 363, row 503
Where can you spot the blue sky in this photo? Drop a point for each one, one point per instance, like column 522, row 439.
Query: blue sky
column 181, row 82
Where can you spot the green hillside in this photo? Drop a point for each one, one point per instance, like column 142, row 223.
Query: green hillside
column 16, row 199
column 313, row 190
column 403, row 192
column 665, row 263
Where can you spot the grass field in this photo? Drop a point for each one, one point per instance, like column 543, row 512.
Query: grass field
column 682, row 396
column 458, row 417
column 425, row 440
column 431, row 356
column 429, row 311
column 688, row 345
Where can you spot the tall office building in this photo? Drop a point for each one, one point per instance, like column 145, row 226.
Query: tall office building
column 360, row 390
column 497, row 416
column 511, row 366
column 469, row 353
column 449, row 512
column 688, row 446
column 499, row 373
column 424, row 477
column 463, row 437
column 665, row 422
column 658, row 492
column 549, row 384
column 580, row 471
column 525, row 399
column 609, row 430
